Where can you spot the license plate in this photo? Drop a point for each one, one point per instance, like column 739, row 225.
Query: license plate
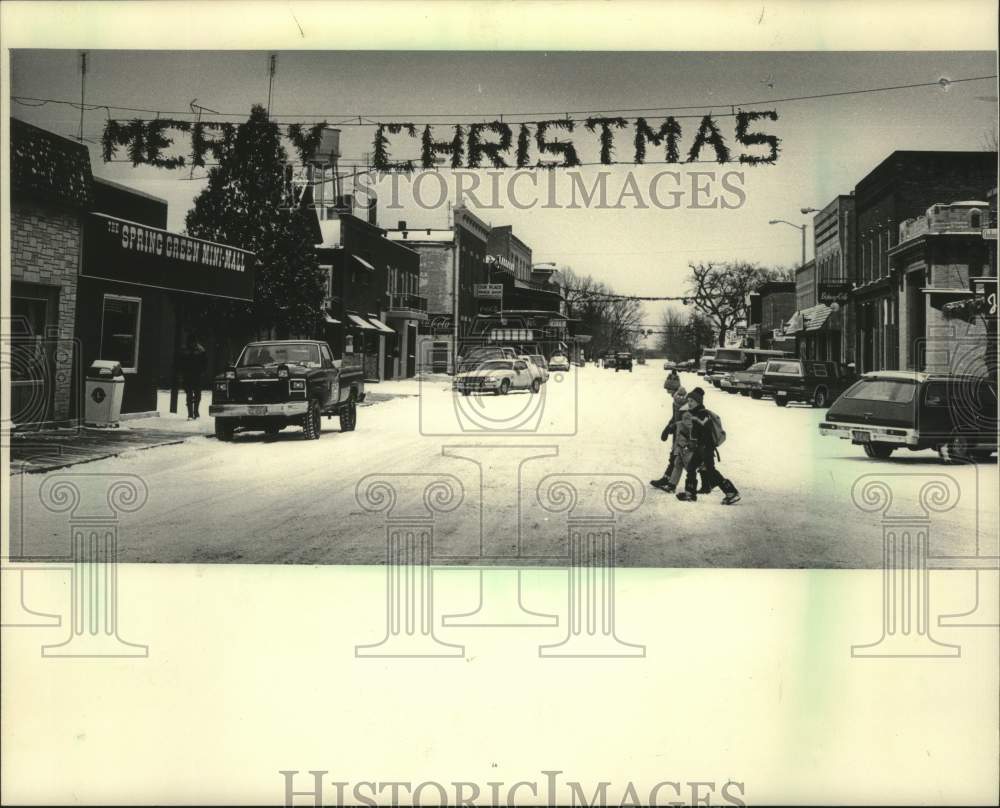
column 258, row 410
column 860, row 436
column 782, row 393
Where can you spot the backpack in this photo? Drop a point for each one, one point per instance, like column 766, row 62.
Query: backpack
column 718, row 433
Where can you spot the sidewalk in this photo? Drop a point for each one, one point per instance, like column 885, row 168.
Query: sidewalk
column 34, row 452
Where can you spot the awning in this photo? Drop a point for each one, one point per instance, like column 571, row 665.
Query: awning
column 360, row 322
column 329, row 318
column 812, row 319
column 381, row 326
column 363, row 262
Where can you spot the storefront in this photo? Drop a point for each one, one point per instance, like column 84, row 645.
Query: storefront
column 130, row 274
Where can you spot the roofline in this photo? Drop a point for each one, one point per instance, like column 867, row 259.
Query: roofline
column 129, row 189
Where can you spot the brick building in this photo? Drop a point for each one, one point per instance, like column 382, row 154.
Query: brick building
column 771, row 306
column 450, row 297
column 902, row 186
column 50, row 190
column 371, row 279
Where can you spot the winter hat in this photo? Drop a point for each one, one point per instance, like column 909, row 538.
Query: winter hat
column 681, row 394
column 697, row 393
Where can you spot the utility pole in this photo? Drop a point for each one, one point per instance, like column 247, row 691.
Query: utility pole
column 83, row 90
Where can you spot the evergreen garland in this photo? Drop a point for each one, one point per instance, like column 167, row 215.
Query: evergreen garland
column 523, row 142
column 607, row 136
column 478, row 148
column 430, row 147
column 200, row 146
column 380, row 150
column 306, row 143
column 566, row 150
column 669, row 129
column 708, row 132
column 155, row 142
column 743, row 120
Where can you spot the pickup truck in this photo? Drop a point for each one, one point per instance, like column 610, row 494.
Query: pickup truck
column 814, row 382
column 279, row 383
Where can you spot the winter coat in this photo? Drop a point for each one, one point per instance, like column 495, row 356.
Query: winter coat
column 702, row 434
column 191, row 365
column 682, row 432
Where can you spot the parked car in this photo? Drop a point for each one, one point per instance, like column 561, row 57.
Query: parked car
column 888, row 410
column 813, row 382
column 609, row 361
column 559, row 362
column 474, row 356
column 748, row 382
column 281, row 383
column 497, row 376
column 623, row 361
column 668, row 365
column 537, row 365
column 706, row 356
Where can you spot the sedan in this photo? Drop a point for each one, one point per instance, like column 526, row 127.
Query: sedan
column 497, row 376
column 559, row 362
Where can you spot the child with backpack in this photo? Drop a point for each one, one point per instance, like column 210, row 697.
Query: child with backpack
column 680, row 427
column 707, row 435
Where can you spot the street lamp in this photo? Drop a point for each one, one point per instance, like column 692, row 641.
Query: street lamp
column 800, row 227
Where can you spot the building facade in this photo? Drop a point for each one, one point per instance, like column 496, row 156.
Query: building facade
column 771, row 306
column 938, row 260
column 51, row 189
column 371, row 279
column 901, row 187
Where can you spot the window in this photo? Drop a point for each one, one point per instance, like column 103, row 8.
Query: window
column 784, row 368
column 897, row 392
column 975, row 219
column 120, row 331
column 325, row 354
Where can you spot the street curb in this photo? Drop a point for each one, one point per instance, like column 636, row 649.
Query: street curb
column 56, row 466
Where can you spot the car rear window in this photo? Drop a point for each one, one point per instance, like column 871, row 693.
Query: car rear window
column 891, row 390
column 785, row 368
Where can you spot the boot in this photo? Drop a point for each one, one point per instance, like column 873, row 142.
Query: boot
column 687, row 496
column 731, row 498
column 663, row 482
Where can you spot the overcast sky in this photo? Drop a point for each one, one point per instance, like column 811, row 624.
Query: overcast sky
column 827, row 144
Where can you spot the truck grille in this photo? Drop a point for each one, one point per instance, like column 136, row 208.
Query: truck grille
column 265, row 391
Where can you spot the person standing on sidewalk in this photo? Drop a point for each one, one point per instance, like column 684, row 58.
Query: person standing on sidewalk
column 191, row 367
column 705, row 437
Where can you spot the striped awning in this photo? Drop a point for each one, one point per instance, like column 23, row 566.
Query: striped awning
column 381, row 326
column 360, row 322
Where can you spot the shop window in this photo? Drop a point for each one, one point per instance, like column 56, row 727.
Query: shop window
column 120, row 317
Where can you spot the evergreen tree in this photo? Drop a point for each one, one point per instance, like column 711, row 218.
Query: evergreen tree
column 245, row 205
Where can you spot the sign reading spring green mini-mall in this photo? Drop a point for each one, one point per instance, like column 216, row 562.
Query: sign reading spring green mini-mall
column 129, row 252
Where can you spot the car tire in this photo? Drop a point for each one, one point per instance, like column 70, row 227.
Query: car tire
column 224, row 429
column 956, row 450
column 504, row 387
column 536, row 385
column 756, row 394
column 820, row 398
column 465, row 392
column 879, row 451
column 781, row 401
column 312, row 422
column 349, row 416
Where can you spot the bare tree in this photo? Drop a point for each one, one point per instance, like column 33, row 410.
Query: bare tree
column 611, row 320
column 721, row 292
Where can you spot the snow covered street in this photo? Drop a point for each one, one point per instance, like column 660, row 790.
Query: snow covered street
column 286, row 500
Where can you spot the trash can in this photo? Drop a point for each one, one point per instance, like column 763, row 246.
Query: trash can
column 105, row 390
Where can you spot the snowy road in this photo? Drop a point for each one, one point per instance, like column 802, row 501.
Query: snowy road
column 286, row 500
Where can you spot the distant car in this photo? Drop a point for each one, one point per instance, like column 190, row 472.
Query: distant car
column 889, row 410
column 641, row 360
column 537, row 365
column 668, row 365
column 497, row 376
column 623, row 361
column 608, row 360
column 707, row 355
column 748, row 382
column 559, row 362
column 813, row 382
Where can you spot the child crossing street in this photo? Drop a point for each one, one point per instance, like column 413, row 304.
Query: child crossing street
column 707, row 434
